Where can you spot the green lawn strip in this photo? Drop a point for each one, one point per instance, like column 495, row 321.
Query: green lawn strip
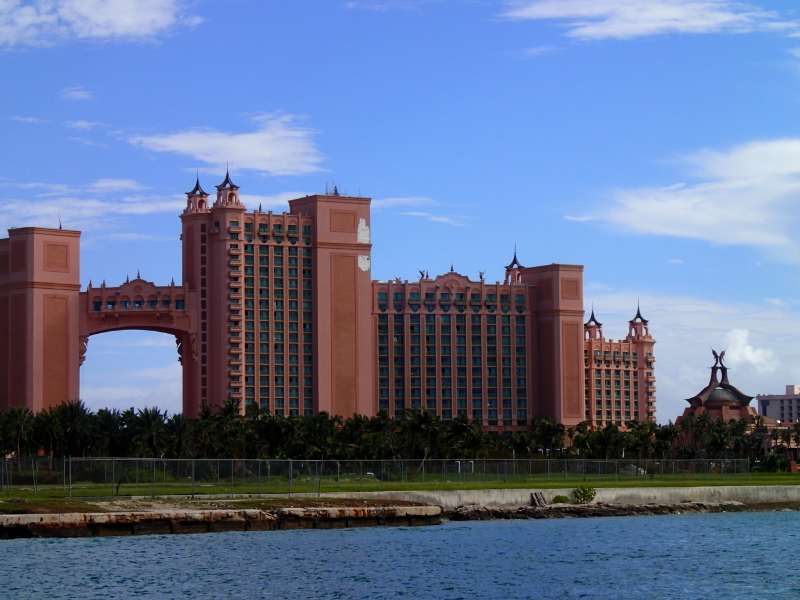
column 88, row 490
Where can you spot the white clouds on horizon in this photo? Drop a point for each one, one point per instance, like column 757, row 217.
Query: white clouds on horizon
column 279, row 146
column 49, row 22
column 748, row 195
column 760, row 341
column 93, row 207
column 84, row 125
column 626, row 19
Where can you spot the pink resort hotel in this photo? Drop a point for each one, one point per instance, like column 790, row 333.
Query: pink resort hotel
column 281, row 310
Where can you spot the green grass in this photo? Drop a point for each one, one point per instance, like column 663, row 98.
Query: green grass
column 306, row 484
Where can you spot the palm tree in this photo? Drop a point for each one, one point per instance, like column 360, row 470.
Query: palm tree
column 19, row 425
column 47, row 429
column 180, row 435
column 150, row 430
column 110, row 432
column 77, row 424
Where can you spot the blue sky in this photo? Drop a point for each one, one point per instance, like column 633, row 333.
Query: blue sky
column 655, row 142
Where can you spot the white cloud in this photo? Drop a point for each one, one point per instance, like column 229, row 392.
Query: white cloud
column 776, row 302
column 279, row 146
column 105, row 186
column 84, row 125
column 676, row 261
column 76, row 93
column 408, row 201
column 538, row 51
column 94, row 207
column 449, row 220
column 48, row 22
column 28, row 120
column 86, row 142
column 739, row 351
column 581, row 219
column 385, row 5
column 625, row 19
column 762, row 361
column 748, row 195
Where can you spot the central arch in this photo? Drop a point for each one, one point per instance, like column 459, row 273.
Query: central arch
column 140, row 305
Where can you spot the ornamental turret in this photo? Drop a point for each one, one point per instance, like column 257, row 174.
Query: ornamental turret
column 227, row 193
column 196, row 200
column 638, row 328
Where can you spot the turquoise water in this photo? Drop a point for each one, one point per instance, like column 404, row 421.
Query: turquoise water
column 691, row 557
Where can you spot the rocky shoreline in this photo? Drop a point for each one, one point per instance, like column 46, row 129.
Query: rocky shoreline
column 215, row 520
column 567, row 511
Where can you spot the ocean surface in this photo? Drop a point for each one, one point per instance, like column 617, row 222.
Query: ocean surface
column 692, row 557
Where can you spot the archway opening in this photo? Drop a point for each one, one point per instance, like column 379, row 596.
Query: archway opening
column 132, row 369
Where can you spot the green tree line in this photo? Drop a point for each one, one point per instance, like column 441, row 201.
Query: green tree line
column 71, row 429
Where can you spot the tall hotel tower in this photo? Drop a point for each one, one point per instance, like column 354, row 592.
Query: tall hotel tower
column 279, row 310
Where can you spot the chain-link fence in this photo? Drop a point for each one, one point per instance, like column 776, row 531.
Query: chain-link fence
column 115, row 477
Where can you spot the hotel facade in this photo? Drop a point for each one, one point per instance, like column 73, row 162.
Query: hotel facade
column 280, row 310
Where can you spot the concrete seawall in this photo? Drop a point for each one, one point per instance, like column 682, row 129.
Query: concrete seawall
column 449, row 499
column 206, row 521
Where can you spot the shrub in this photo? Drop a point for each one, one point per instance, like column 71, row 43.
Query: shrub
column 583, row 494
column 560, row 500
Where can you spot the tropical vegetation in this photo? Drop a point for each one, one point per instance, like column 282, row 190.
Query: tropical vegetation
column 72, row 429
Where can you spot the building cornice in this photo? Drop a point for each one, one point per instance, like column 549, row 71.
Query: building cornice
column 40, row 285
column 43, row 230
column 561, row 313
column 344, row 246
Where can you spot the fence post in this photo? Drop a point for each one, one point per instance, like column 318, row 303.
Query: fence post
column 33, row 476
column 63, row 474
column 70, row 479
column 154, row 477
column 112, row 478
column 259, row 476
column 290, row 478
column 192, row 478
column 319, row 478
column 231, row 478
column 565, row 470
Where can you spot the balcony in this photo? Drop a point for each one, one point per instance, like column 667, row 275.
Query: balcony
column 234, row 295
column 235, row 361
column 235, row 284
column 235, row 328
column 235, row 261
column 234, row 251
column 650, row 379
column 236, row 229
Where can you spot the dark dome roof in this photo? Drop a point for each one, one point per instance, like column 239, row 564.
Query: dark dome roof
column 722, row 397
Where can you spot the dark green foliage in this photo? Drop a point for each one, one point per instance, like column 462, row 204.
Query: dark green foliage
column 222, row 432
column 560, row 500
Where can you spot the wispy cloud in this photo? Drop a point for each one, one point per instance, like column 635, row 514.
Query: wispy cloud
column 538, row 51
column 449, row 220
column 748, row 195
column 94, row 207
column 675, row 261
column 408, row 201
column 108, row 185
column 76, row 93
column 86, row 142
column 626, row 19
column 278, row 146
column 28, row 120
column 84, row 125
column 386, row 5
column 50, row 22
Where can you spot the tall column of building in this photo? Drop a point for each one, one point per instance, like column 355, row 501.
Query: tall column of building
column 195, row 235
column 557, row 340
column 39, row 342
column 344, row 360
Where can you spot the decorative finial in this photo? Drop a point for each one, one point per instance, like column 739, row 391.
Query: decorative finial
column 259, row 207
column 452, row 270
column 138, row 276
column 481, row 274
column 127, row 279
column 59, row 222
column 422, row 274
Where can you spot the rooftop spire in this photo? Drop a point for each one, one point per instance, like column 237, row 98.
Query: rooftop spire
column 593, row 320
column 227, row 183
column 638, row 318
column 514, row 264
column 197, row 190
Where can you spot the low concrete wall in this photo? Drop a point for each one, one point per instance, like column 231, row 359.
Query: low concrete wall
column 448, row 499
